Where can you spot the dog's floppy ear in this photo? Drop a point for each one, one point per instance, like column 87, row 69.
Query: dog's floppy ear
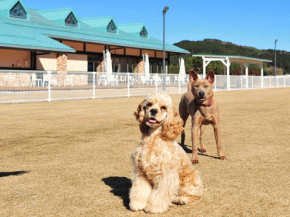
column 173, row 126
column 192, row 76
column 210, row 76
column 139, row 113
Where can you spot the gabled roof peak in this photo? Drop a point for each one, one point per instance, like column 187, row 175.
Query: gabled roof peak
column 7, row 5
column 101, row 23
column 137, row 29
column 60, row 16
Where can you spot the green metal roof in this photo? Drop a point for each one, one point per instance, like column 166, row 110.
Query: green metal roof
column 50, row 24
column 134, row 28
column 99, row 23
column 7, row 5
column 57, row 16
column 26, row 38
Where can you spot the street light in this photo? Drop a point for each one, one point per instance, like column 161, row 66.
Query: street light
column 164, row 12
column 275, row 55
column 275, row 62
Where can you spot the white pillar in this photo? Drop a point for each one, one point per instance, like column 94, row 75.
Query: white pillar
column 262, row 76
column 247, row 75
column 228, row 75
column 49, row 85
column 242, row 71
column 204, row 67
column 94, row 84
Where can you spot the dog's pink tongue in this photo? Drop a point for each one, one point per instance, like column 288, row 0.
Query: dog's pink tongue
column 152, row 121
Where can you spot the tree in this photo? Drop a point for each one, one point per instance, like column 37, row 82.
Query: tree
column 235, row 69
column 193, row 63
column 216, row 66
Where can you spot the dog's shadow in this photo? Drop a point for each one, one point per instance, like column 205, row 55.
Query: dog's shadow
column 13, row 173
column 189, row 151
column 120, row 187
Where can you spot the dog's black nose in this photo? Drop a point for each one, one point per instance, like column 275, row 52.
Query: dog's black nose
column 201, row 94
column 153, row 112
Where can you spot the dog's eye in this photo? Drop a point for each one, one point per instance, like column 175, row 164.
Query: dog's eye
column 206, row 86
column 149, row 104
column 196, row 86
column 163, row 108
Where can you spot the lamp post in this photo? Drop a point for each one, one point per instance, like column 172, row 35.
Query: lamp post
column 275, row 63
column 164, row 12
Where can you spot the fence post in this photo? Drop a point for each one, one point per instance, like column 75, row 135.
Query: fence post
column 94, row 85
column 49, row 86
column 128, row 85
column 247, row 76
column 179, row 91
column 252, row 82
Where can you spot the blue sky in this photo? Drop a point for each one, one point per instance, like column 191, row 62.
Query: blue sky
column 253, row 23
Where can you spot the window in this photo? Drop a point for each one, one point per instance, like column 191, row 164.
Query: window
column 18, row 11
column 71, row 20
column 143, row 32
column 111, row 27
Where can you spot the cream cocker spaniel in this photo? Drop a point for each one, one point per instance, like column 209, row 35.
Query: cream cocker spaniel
column 163, row 173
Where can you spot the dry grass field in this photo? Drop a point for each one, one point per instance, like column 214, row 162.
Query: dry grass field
column 71, row 158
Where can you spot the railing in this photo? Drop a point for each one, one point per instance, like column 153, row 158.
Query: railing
column 35, row 86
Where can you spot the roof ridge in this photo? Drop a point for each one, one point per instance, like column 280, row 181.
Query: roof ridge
column 92, row 18
column 131, row 24
column 51, row 10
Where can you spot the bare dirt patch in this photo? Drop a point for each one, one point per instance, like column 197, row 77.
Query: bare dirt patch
column 71, row 158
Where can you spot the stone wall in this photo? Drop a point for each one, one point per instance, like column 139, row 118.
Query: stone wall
column 61, row 64
column 65, row 79
column 15, row 79
column 140, row 67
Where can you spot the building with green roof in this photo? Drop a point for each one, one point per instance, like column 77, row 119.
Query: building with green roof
column 59, row 40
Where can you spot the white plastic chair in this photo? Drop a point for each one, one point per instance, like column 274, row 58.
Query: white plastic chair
column 68, row 80
column 144, row 79
column 47, row 79
column 34, row 79
column 156, row 79
column 131, row 80
column 103, row 80
column 179, row 79
column 111, row 80
column 167, row 79
column 117, row 79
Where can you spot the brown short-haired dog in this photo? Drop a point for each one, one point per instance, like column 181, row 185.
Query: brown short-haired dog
column 199, row 102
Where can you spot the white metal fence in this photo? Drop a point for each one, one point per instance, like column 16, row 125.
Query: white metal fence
column 35, row 86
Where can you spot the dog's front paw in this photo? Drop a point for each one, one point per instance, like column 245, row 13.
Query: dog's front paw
column 156, row 209
column 202, row 150
column 223, row 157
column 194, row 161
column 136, row 206
column 181, row 200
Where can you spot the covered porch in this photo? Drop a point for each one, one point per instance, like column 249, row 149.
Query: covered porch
column 227, row 60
